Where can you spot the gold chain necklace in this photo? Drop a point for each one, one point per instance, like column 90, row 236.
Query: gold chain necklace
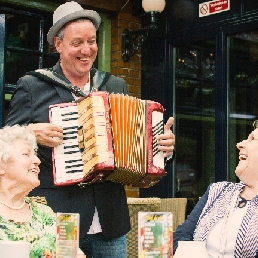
column 14, row 208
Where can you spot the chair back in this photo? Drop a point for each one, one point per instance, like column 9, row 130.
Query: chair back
column 135, row 205
column 178, row 208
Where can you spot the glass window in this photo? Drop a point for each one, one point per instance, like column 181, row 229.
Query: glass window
column 26, row 47
column 22, row 46
column 195, row 112
column 23, row 32
column 20, row 64
column 243, row 93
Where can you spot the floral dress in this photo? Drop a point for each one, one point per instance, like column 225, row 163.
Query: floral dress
column 40, row 231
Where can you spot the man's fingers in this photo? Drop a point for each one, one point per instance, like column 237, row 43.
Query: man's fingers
column 47, row 134
column 168, row 124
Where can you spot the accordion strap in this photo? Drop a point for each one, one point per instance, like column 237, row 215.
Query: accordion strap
column 48, row 75
column 99, row 78
column 51, row 76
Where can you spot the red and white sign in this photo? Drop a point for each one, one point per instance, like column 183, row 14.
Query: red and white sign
column 213, row 7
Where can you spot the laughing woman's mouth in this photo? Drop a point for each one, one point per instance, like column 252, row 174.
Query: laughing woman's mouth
column 34, row 170
column 242, row 157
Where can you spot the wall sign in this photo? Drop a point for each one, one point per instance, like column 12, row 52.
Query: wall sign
column 213, row 7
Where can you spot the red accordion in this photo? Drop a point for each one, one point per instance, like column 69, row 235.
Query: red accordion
column 108, row 137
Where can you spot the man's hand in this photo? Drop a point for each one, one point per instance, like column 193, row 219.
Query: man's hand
column 47, row 134
column 166, row 141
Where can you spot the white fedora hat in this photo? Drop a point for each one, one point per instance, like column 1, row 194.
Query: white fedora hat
column 68, row 12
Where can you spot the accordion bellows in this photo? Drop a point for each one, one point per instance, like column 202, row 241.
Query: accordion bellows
column 108, row 137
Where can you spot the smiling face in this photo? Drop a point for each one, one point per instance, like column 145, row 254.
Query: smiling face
column 78, row 49
column 22, row 167
column 247, row 169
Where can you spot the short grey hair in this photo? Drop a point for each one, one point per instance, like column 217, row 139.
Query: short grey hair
column 60, row 33
column 9, row 135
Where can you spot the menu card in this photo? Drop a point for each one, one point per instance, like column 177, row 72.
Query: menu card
column 67, row 241
column 155, row 235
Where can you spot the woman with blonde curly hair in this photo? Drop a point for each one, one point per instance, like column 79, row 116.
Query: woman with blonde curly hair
column 21, row 218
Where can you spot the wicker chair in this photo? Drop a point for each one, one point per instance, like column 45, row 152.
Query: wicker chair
column 135, row 205
column 178, row 208
column 175, row 205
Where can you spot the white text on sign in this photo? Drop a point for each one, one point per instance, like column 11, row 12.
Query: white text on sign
column 213, row 7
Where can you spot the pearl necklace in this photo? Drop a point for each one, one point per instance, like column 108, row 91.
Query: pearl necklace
column 14, row 208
